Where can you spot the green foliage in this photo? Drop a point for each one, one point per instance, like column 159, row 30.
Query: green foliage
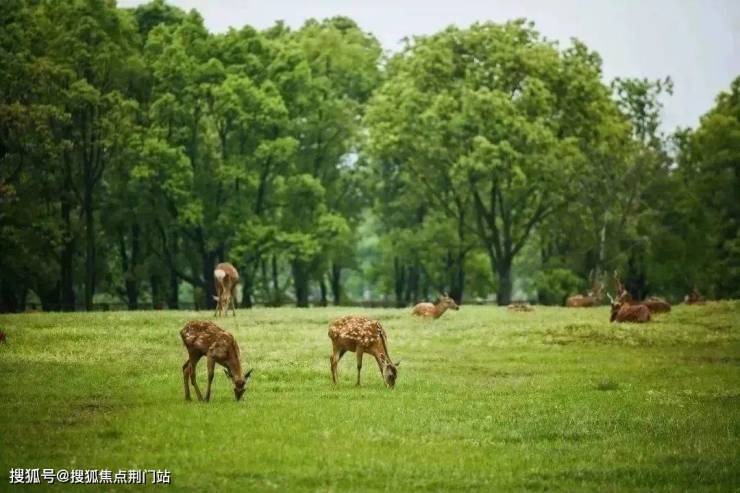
column 137, row 149
column 555, row 285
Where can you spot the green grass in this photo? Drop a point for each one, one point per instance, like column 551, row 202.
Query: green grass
column 486, row 400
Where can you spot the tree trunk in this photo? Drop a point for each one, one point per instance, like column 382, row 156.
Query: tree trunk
column 129, row 265
column 300, row 283
column 503, row 269
column 89, row 244
column 457, row 278
column 336, row 283
column 247, row 280
column 322, row 286
column 399, row 275
column 67, row 254
column 8, row 298
column 278, row 295
column 173, row 295
column 209, row 288
column 412, row 284
column 154, row 285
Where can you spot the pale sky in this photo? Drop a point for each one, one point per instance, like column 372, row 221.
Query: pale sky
column 693, row 41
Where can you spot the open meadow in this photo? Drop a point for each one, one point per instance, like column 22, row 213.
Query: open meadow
column 486, row 400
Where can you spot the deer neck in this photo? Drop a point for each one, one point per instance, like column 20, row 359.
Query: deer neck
column 439, row 309
column 235, row 368
column 385, row 360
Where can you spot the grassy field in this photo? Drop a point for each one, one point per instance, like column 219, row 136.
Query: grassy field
column 486, row 400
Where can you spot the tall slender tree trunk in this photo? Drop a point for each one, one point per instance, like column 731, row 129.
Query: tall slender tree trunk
column 399, row 274
column 322, row 286
column 173, row 293
column 154, row 285
column 67, row 254
column 247, row 280
column 457, row 277
column 278, row 295
column 336, row 283
column 209, row 289
column 88, row 209
column 129, row 268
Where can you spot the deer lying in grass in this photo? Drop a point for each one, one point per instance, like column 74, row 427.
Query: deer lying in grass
column 520, row 306
column 361, row 335
column 592, row 298
column 226, row 278
column 208, row 339
column 628, row 312
column 435, row 309
column 694, row 298
column 653, row 303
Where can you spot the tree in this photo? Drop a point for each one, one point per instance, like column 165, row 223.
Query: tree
column 489, row 121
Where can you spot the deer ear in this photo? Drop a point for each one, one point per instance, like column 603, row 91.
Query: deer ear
column 248, row 374
column 228, row 372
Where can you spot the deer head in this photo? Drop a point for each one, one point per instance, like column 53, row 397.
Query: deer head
column 390, row 373
column 446, row 302
column 616, row 305
column 240, row 384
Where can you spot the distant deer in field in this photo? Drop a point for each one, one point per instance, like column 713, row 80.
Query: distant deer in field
column 694, row 298
column 520, row 306
column 435, row 309
column 3, row 338
column 592, row 298
column 628, row 312
column 226, row 278
column 208, row 339
column 361, row 335
column 653, row 303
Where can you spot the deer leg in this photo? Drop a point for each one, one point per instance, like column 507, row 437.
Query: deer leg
column 193, row 363
column 334, row 359
column 186, row 375
column 359, row 364
column 211, row 365
column 233, row 299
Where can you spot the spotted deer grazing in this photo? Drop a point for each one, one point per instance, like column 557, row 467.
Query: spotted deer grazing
column 435, row 309
column 361, row 335
column 208, row 339
column 226, row 278
column 628, row 312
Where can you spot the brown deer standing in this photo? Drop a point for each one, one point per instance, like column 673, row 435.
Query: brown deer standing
column 628, row 312
column 435, row 309
column 226, row 278
column 208, row 339
column 361, row 335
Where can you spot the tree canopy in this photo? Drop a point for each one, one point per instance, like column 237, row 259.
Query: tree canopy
column 138, row 149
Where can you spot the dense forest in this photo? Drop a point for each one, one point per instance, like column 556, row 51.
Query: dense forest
column 137, row 150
